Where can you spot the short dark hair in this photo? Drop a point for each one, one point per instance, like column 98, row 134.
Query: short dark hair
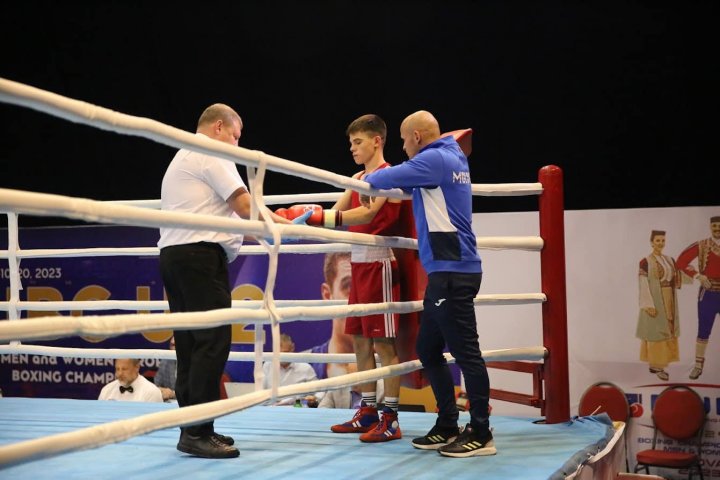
column 369, row 123
column 656, row 233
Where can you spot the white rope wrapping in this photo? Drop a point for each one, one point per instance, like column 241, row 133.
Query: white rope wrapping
column 256, row 185
column 483, row 243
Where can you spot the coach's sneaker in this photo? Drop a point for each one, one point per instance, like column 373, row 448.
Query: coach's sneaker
column 387, row 429
column 364, row 420
column 469, row 444
column 437, row 437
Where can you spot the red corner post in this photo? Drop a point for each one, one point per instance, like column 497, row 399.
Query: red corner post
column 554, row 309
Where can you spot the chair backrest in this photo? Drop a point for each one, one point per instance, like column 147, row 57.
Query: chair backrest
column 679, row 413
column 605, row 397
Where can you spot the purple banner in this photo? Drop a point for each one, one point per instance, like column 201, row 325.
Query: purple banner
column 300, row 277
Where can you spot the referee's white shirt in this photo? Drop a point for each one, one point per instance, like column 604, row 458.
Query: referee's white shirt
column 199, row 183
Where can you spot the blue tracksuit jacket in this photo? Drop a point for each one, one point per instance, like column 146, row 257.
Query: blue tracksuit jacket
column 439, row 179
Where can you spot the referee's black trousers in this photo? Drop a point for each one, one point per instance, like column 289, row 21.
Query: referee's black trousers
column 196, row 279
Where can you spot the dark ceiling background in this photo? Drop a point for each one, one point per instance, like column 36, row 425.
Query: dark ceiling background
column 621, row 95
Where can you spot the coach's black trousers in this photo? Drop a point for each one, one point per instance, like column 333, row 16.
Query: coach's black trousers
column 448, row 318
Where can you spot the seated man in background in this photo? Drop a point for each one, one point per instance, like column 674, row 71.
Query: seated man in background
column 129, row 385
column 166, row 374
column 290, row 372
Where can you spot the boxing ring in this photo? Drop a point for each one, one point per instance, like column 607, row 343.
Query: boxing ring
column 40, row 436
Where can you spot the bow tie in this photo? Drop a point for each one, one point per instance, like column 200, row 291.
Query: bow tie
column 126, row 389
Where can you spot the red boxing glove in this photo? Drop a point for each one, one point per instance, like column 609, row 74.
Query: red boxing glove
column 282, row 212
column 319, row 217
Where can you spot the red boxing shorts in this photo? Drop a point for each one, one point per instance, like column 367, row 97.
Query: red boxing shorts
column 374, row 282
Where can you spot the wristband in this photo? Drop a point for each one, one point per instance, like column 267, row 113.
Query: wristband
column 332, row 218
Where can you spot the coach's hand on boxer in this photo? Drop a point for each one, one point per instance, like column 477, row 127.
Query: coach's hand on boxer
column 318, row 216
column 365, row 200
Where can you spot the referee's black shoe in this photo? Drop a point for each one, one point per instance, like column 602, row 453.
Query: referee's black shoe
column 227, row 440
column 208, row 446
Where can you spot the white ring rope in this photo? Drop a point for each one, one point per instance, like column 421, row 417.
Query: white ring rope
column 31, row 203
column 154, row 251
column 118, row 431
column 142, row 213
column 156, row 305
column 525, row 353
column 112, row 325
column 106, row 119
column 528, row 243
column 268, row 199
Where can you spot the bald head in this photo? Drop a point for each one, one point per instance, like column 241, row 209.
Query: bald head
column 422, row 121
column 221, row 122
column 418, row 130
column 218, row 111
